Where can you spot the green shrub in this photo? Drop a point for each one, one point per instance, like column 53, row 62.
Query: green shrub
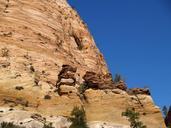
column 166, row 116
column 83, row 87
column 47, row 97
column 133, row 118
column 19, row 88
column 48, row 125
column 9, row 125
column 78, row 118
column 165, row 111
column 118, row 78
column 4, row 52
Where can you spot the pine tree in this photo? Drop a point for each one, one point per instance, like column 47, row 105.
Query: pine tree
column 133, row 118
column 117, row 78
column 9, row 125
column 165, row 111
column 78, row 118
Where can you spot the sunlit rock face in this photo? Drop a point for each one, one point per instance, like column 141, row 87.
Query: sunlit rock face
column 46, row 53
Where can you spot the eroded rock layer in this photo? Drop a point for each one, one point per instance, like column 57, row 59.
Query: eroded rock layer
column 46, row 54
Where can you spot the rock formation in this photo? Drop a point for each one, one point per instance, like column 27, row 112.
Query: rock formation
column 46, row 53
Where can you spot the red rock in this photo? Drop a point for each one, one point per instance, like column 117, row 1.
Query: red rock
column 98, row 81
column 139, row 91
column 121, row 85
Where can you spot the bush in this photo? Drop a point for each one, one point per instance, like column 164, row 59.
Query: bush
column 118, row 78
column 47, row 97
column 48, row 125
column 78, row 118
column 165, row 111
column 83, row 87
column 4, row 52
column 133, row 118
column 9, row 125
column 19, row 88
column 166, row 116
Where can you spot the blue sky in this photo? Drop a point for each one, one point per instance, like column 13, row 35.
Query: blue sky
column 135, row 39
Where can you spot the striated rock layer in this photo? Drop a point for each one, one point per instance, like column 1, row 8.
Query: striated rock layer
column 46, row 53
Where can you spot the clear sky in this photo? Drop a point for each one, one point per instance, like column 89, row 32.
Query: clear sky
column 135, row 39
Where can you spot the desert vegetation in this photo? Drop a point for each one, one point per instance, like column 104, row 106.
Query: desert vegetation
column 9, row 125
column 4, row 52
column 166, row 115
column 82, row 88
column 118, row 78
column 48, row 125
column 47, row 97
column 78, row 118
column 133, row 117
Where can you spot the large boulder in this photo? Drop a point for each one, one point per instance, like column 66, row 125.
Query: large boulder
column 98, row 81
column 121, row 85
column 133, row 91
column 66, row 76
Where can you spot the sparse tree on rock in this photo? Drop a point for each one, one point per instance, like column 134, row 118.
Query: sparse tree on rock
column 78, row 118
column 133, row 118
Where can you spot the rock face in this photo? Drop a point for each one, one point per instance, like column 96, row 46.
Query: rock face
column 46, row 53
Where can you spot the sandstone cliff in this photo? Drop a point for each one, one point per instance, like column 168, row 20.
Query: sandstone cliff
column 46, row 53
